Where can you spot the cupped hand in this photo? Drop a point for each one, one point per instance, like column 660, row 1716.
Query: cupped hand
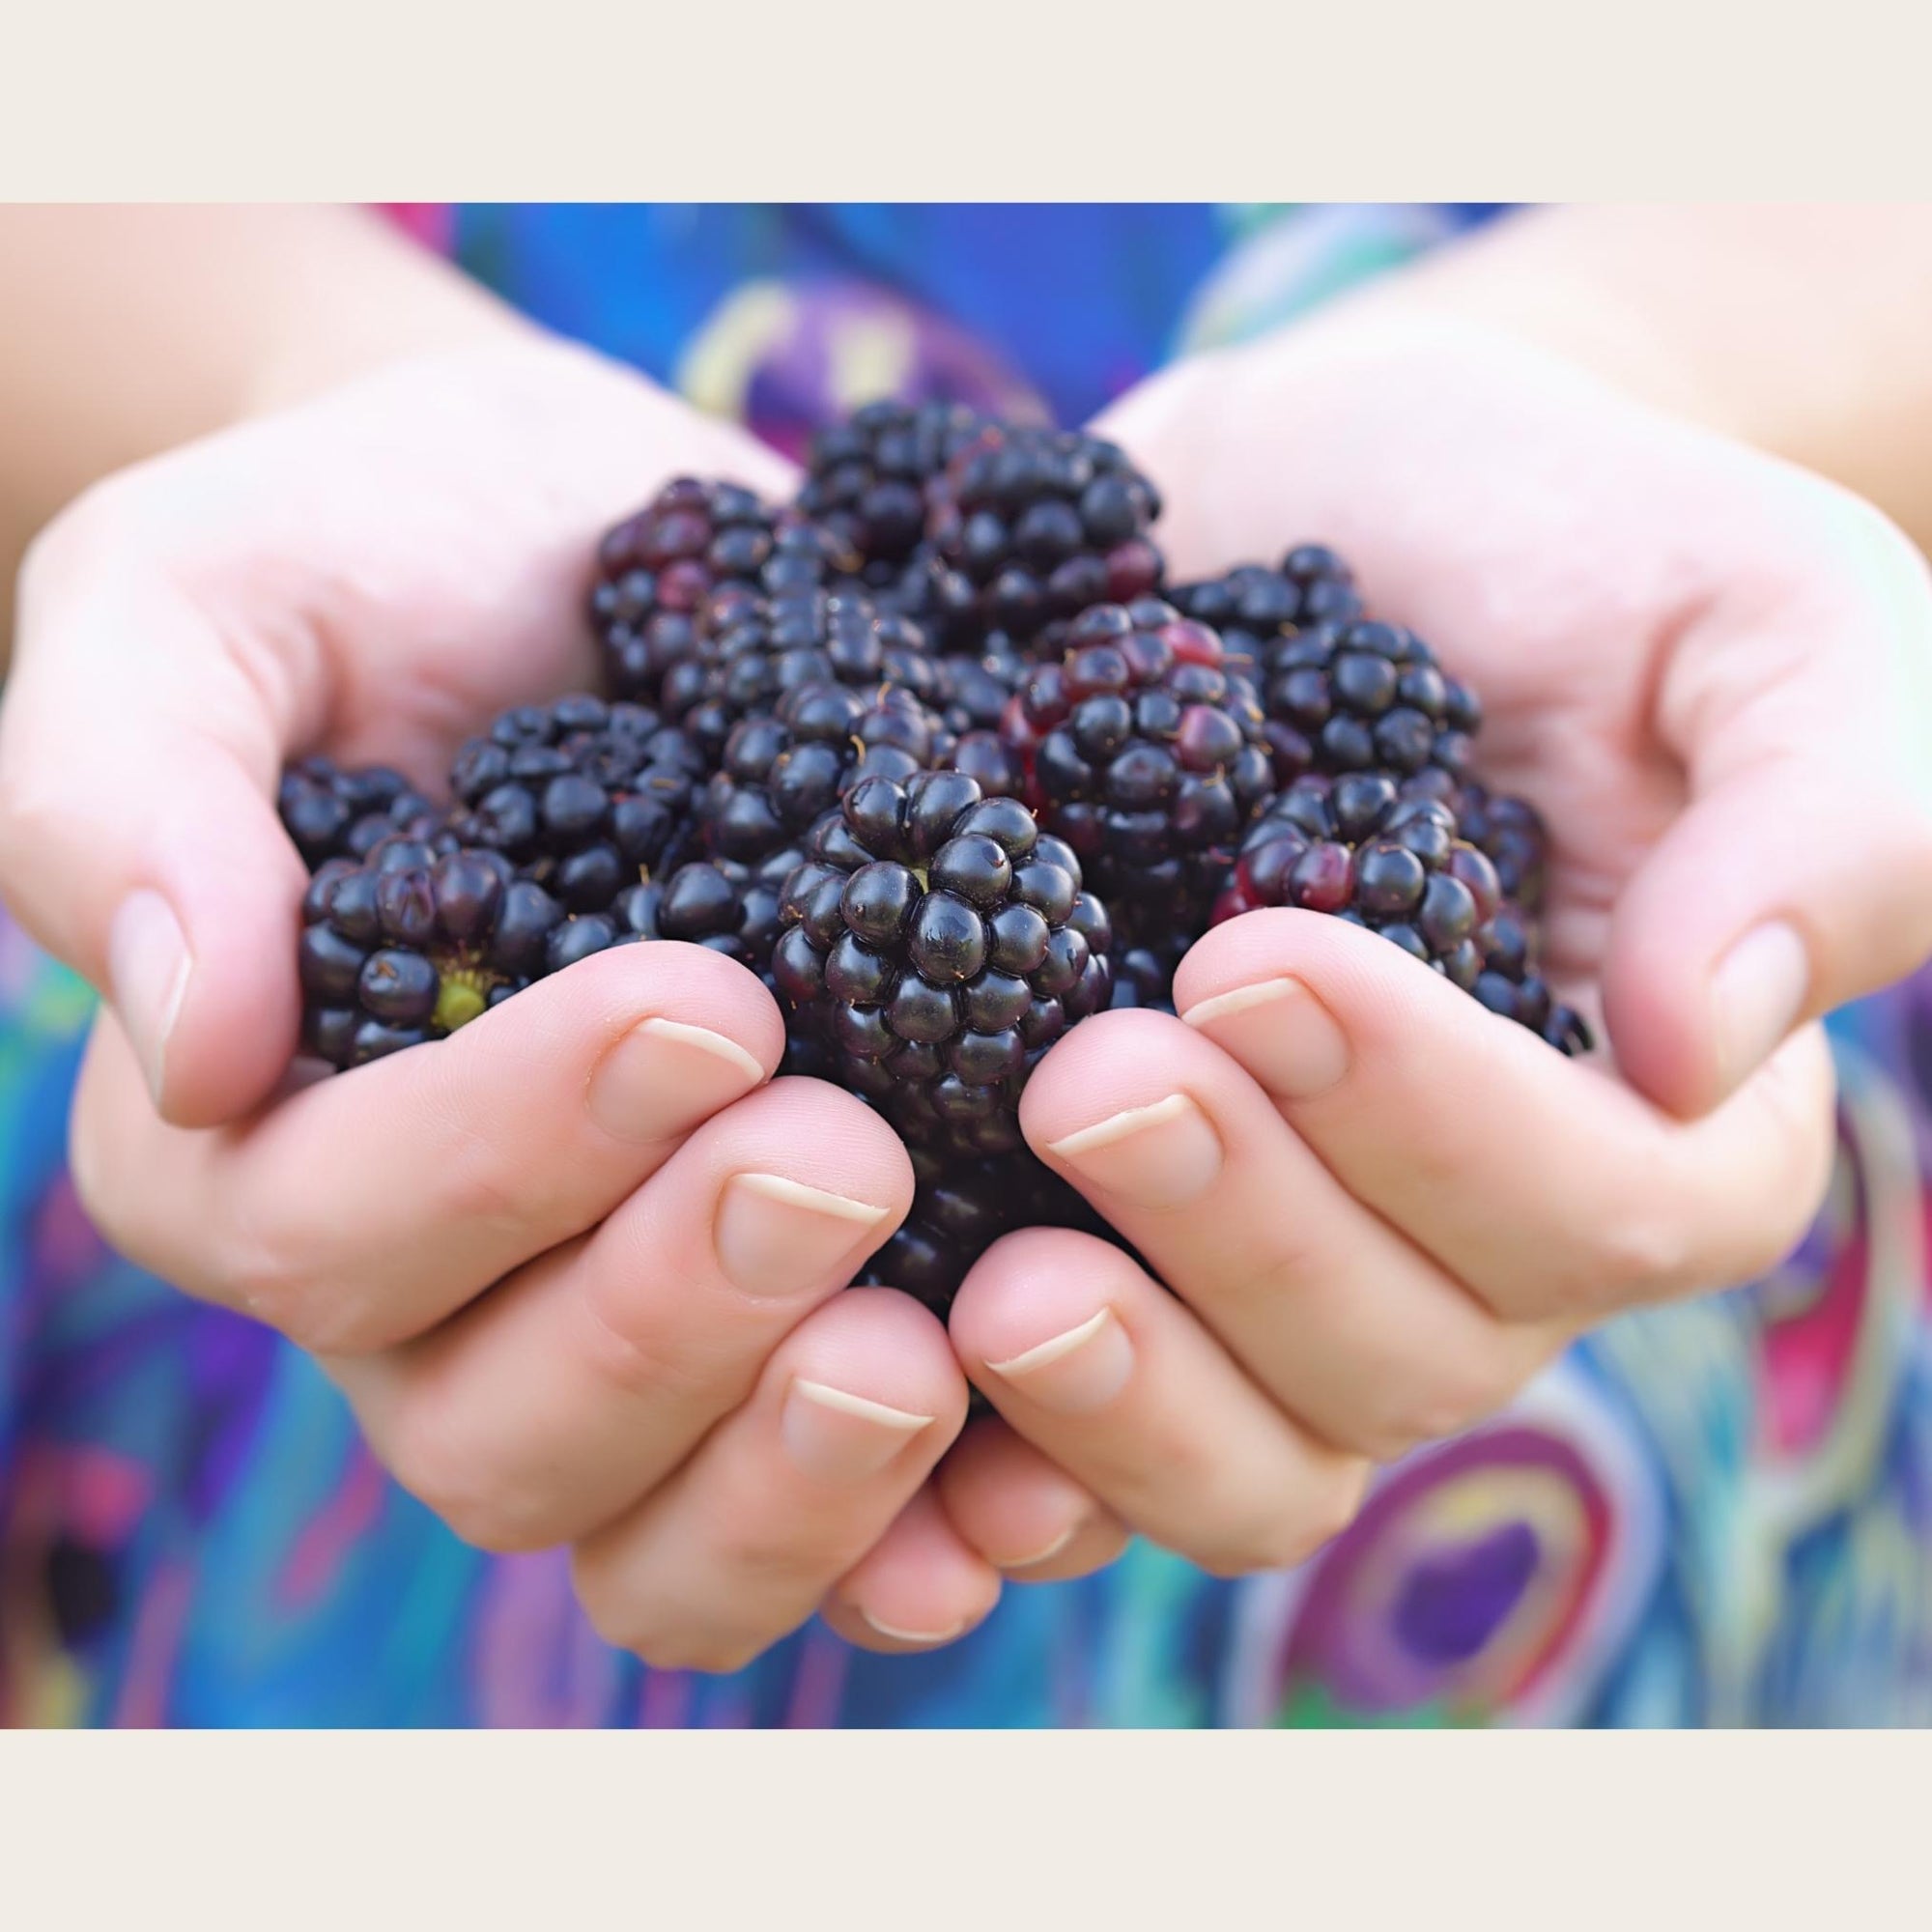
column 578, row 1267
column 1379, row 1206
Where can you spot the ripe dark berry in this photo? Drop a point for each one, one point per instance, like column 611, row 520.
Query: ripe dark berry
column 938, row 943
column 1253, row 606
column 1044, row 522
column 1512, row 831
column 1362, row 695
column 782, row 773
column 867, row 478
column 335, row 813
column 586, row 798
column 760, row 648
column 412, row 942
column 1357, row 847
column 1145, row 757
column 659, row 570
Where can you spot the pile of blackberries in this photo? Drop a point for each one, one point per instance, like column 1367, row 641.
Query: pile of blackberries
column 938, row 754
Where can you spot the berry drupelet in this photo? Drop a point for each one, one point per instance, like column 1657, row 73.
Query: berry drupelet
column 867, row 479
column 1044, row 522
column 586, row 798
column 1511, row 984
column 333, row 812
column 939, row 944
column 762, row 647
column 1253, row 606
column 659, row 571
column 413, row 942
column 1512, row 831
column 782, row 773
column 1362, row 695
column 730, row 908
column 1145, row 757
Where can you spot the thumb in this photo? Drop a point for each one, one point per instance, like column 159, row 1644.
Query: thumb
column 1800, row 875
column 138, row 836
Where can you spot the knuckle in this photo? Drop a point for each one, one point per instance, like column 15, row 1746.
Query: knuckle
column 437, row 1457
column 1275, row 1538
column 627, row 1614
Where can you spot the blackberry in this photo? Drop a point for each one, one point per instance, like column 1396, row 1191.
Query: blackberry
column 1044, row 522
column 584, row 797
column 939, row 944
column 730, row 908
column 1362, row 695
column 1512, row 831
column 1511, row 985
column 412, row 942
column 942, row 601
column 333, row 812
column 762, row 647
column 659, row 570
column 867, row 479
column 1355, row 847
column 1253, row 606
column 782, row 773
column 1145, row 757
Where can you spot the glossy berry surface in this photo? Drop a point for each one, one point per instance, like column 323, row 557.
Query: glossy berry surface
column 1254, row 606
column 1043, row 524
column 782, row 773
column 659, row 571
column 762, row 647
column 586, row 798
column 938, row 943
column 1145, row 757
column 1363, row 696
column 867, row 478
column 412, row 942
column 336, row 811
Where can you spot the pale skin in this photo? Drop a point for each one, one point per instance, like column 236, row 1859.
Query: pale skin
column 578, row 1267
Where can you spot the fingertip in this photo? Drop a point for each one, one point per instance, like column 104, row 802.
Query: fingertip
column 921, row 1586
column 209, row 993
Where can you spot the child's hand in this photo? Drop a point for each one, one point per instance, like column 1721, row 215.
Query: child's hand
column 578, row 1265
column 1380, row 1209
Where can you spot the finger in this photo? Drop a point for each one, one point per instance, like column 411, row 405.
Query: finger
column 739, row 1547
column 1332, row 1311
column 1800, row 876
column 918, row 1587
column 1547, row 1185
column 579, row 1383
column 1022, row 1512
column 1113, row 1378
column 138, row 840
column 364, row 1208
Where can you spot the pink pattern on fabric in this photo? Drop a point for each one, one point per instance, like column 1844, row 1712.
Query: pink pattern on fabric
column 331, row 1533
column 433, row 223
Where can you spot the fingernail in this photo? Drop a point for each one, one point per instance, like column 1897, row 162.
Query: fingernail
column 664, row 1076
column 1074, row 1372
column 1281, row 1033
column 1158, row 1157
column 837, row 1438
column 148, row 969
column 1758, row 993
column 899, row 1635
column 1045, row 1555
column 776, row 1235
